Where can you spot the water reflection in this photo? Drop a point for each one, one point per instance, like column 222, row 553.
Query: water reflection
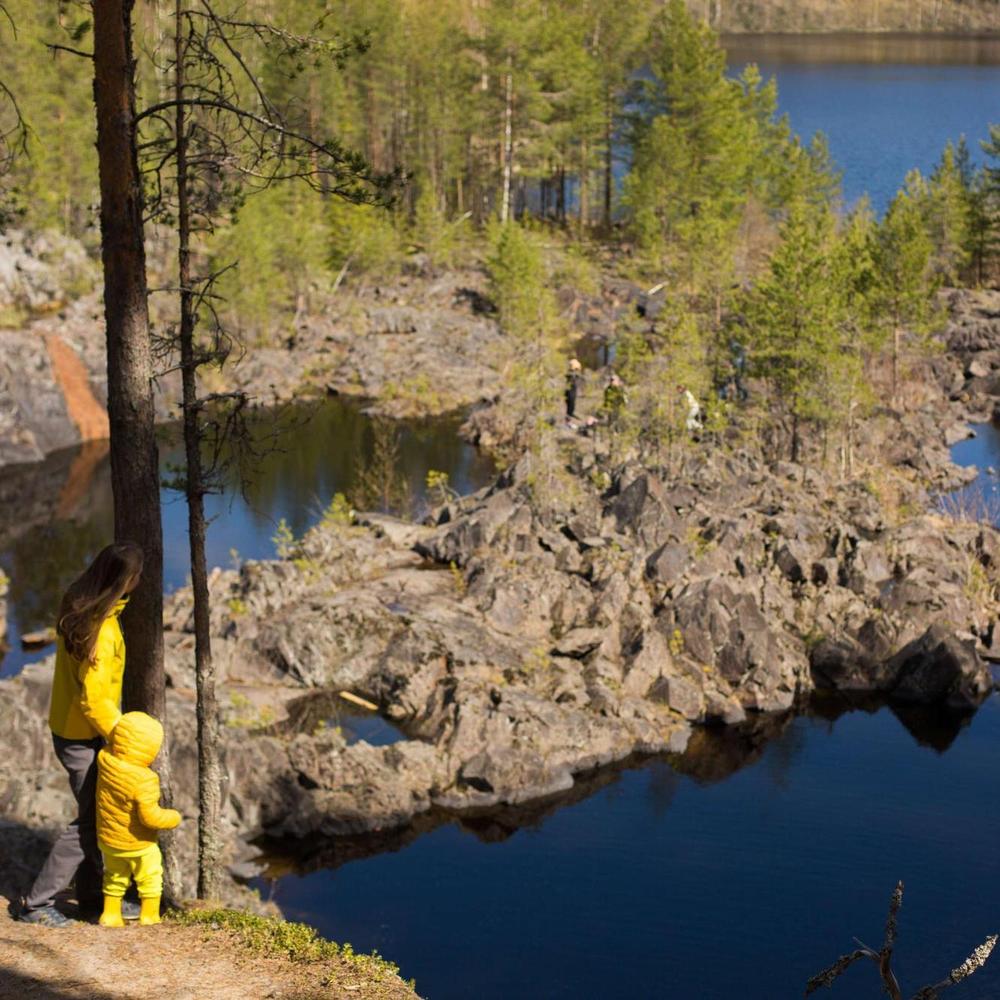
column 713, row 756
column 774, row 838
column 57, row 514
column 320, row 710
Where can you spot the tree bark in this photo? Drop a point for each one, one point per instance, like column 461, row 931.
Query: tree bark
column 209, row 765
column 609, row 170
column 508, row 141
column 135, row 473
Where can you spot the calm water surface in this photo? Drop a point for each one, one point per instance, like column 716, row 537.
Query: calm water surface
column 736, row 870
column 56, row 515
column 886, row 105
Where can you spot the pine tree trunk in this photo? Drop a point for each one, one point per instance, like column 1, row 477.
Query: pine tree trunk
column 209, row 768
column 508, row 141
column 609, row 174
column 135, row 472
column 895, row 366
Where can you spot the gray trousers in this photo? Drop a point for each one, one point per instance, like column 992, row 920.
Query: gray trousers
column 75, row 852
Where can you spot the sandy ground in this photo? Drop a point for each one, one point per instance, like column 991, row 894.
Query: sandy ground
column 166, row 962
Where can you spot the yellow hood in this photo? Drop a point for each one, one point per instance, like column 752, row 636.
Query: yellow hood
column 128, row 790
column 136, row 739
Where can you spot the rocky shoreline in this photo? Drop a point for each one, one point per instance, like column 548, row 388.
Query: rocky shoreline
column 529, row 636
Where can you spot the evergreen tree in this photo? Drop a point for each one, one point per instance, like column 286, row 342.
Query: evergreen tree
column 792, row 314
column 948, row 216
column 904, row 258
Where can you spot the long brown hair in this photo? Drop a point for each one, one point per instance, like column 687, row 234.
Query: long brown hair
column 92, row 595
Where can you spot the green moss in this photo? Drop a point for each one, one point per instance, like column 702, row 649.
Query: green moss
column 282, row 938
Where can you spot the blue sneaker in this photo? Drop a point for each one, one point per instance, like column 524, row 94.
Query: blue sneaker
column 45, row 916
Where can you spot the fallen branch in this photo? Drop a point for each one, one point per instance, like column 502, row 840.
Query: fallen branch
column 883, row 959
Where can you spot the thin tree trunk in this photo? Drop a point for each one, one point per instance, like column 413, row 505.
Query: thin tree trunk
column 895, row 365
column 209, row 768
column 135, row 472
column 508, row 140
column 609, row 176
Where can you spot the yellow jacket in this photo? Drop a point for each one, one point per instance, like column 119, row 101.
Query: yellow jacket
column 86, row 697
column 128, row 791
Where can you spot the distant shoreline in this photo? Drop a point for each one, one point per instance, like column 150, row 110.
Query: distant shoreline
column 816, row 47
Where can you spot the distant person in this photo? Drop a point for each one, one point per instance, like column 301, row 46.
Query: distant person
column 129, row 816
column 615, row 399
column 692, row 423
column 574, row 376
column 83, row 712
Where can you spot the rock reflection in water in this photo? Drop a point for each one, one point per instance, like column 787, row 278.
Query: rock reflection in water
column 713, row 755
column 54, row 516
column 57, row 514
column 327, row 710
column 932, row 726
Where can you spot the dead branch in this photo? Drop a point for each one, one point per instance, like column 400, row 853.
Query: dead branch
column 883, row 959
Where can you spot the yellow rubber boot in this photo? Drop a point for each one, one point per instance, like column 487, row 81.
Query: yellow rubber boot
column 112, row 915
column 149, row 910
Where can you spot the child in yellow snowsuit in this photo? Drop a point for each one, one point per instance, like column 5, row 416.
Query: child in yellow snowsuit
column 128, row 816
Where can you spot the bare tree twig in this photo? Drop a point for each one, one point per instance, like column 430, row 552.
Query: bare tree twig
column 883, row 959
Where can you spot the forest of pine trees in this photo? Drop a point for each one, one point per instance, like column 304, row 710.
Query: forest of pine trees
column 610, row 130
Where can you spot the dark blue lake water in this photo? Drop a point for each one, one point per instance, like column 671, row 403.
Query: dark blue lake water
column 886, row 105
column 739, row 869
column 706, row 885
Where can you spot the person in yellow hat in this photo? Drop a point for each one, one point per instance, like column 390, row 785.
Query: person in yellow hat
column 84, row 708
column 129, row 815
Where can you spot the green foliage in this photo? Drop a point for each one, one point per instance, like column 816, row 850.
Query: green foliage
column 415, row 395
column 518, row 286
column 278, row 243
column 907, row 280
column 284, row 540
column 948, row 217
column 702, row 146
column 657, row 370
column 237, row 606
column 363, row 238
column 439, row 487
column 457, row 578
column 246, row 715
column 433, row 233
column 577, row 270
column 791, row 313
column 270, row 936
column 339, row 513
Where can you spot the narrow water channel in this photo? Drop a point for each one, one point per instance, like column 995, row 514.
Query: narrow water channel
column 57, row 514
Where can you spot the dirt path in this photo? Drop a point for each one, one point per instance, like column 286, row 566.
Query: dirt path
column 167, row 962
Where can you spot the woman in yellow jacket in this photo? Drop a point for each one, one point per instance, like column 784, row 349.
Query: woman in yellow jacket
column 128, row 816
column 84, row 709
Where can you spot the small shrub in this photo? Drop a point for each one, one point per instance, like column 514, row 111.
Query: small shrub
column 284, row 540
column 339, row 513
